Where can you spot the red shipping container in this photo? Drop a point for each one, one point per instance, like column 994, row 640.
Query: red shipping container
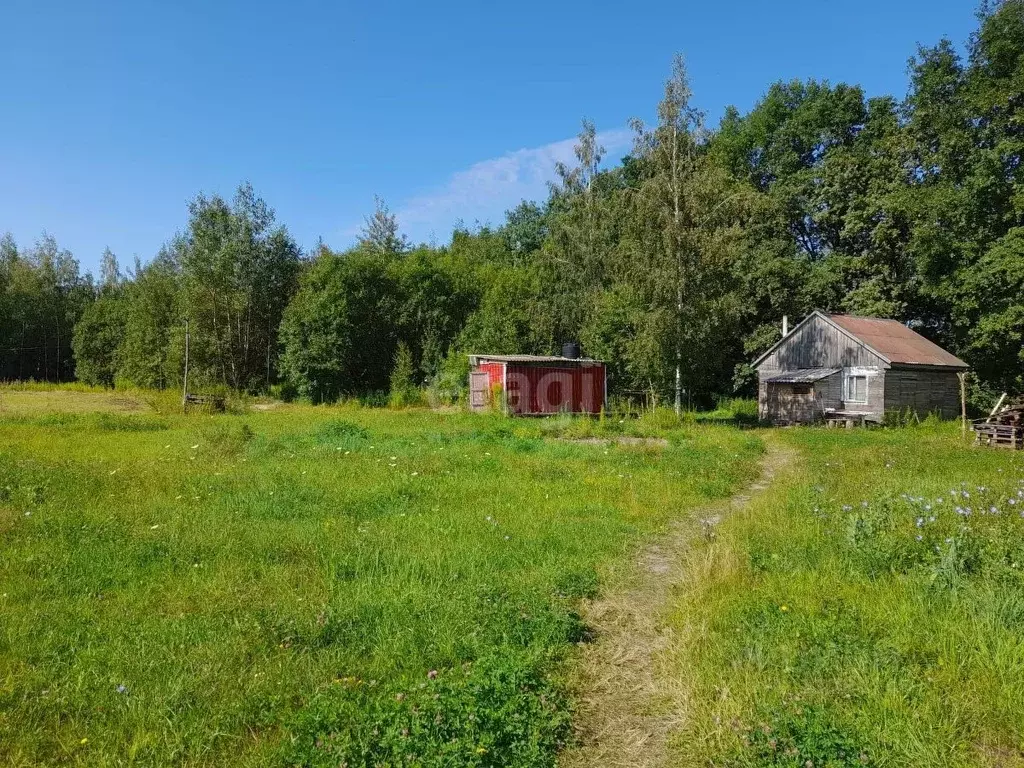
column 534, row 385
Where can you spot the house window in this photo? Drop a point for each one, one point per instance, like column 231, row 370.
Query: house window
column 856, row 389
column 802, row 389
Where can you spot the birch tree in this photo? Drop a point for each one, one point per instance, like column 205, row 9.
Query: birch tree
column 685, row 221
column 380, row 232
column 584, row 217
column 150, row 353
column 238, row 269
column 110, row 272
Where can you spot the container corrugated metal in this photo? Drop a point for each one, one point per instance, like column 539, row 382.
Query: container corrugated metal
column 544, row 389
column 535, row 387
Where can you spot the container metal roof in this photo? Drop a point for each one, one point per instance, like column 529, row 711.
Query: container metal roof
column 802, row 376
column 475, row 359
column 893, row 340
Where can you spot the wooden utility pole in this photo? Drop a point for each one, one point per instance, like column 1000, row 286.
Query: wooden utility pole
column 963, row 402
column 184, row 386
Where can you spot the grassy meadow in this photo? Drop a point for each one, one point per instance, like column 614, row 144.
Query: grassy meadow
column 289, row 585
column 313, row 586
column 867, row 610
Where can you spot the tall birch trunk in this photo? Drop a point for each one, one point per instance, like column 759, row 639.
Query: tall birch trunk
column 676, row 216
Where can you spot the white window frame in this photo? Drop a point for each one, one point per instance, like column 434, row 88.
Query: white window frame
column 847, row 379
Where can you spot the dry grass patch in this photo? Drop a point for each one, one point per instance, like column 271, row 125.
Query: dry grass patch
column 33, row 403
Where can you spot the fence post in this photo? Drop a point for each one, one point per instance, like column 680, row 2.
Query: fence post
column 184, row 386
column 963, row 403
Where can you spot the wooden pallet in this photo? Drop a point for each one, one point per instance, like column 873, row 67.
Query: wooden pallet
column 999, row 435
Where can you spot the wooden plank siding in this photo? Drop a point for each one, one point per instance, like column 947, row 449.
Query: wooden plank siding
column 923, row 391
column 830, row 391
column 817, row 343
column 779, row 402
column 875, row 406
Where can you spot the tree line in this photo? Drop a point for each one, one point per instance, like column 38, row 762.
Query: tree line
column 675, row 265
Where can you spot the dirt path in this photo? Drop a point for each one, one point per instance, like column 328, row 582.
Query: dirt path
column 631, row 703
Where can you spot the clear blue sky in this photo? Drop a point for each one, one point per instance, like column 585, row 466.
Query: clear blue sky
column 113, row 115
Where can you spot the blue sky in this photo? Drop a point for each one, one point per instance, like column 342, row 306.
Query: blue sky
column 114, row 115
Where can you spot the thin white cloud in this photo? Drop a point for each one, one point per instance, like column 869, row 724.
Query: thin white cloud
column 485, row 190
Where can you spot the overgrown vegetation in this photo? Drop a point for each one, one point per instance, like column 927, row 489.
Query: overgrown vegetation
column 676, row 264
column 865, row 611
column 313, row 586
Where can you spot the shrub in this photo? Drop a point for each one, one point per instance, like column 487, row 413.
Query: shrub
column 227, row 438
column 451, row 383
column 404, row 391
column 285, row 391
column 502, row 710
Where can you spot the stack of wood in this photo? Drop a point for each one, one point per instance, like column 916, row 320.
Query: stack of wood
column 1004, row 428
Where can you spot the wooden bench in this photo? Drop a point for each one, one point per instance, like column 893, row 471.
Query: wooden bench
column 848, row 420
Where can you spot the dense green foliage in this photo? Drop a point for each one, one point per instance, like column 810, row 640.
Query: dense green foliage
column 97, row 339
column 237, row 274
column 42, row 297
column 676, row 264
column 311, row 586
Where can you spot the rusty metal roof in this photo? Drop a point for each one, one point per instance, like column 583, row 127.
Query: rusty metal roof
column 896, row 342
column 802, row 376
column 476, row 359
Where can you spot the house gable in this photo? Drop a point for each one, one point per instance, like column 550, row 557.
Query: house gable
column 817, row 342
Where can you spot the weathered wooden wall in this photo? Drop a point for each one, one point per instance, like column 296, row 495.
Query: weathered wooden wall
column 830, row 391
column 923, row 390
column 779, row 403
column 818, row 345
column 783, row 405
column 875, row 406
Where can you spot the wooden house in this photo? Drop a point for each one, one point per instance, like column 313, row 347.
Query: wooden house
column 842, row 367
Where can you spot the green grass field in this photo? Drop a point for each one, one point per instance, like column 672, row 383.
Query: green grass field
column 316, row 586
column 867, row 610
column 365, row 587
